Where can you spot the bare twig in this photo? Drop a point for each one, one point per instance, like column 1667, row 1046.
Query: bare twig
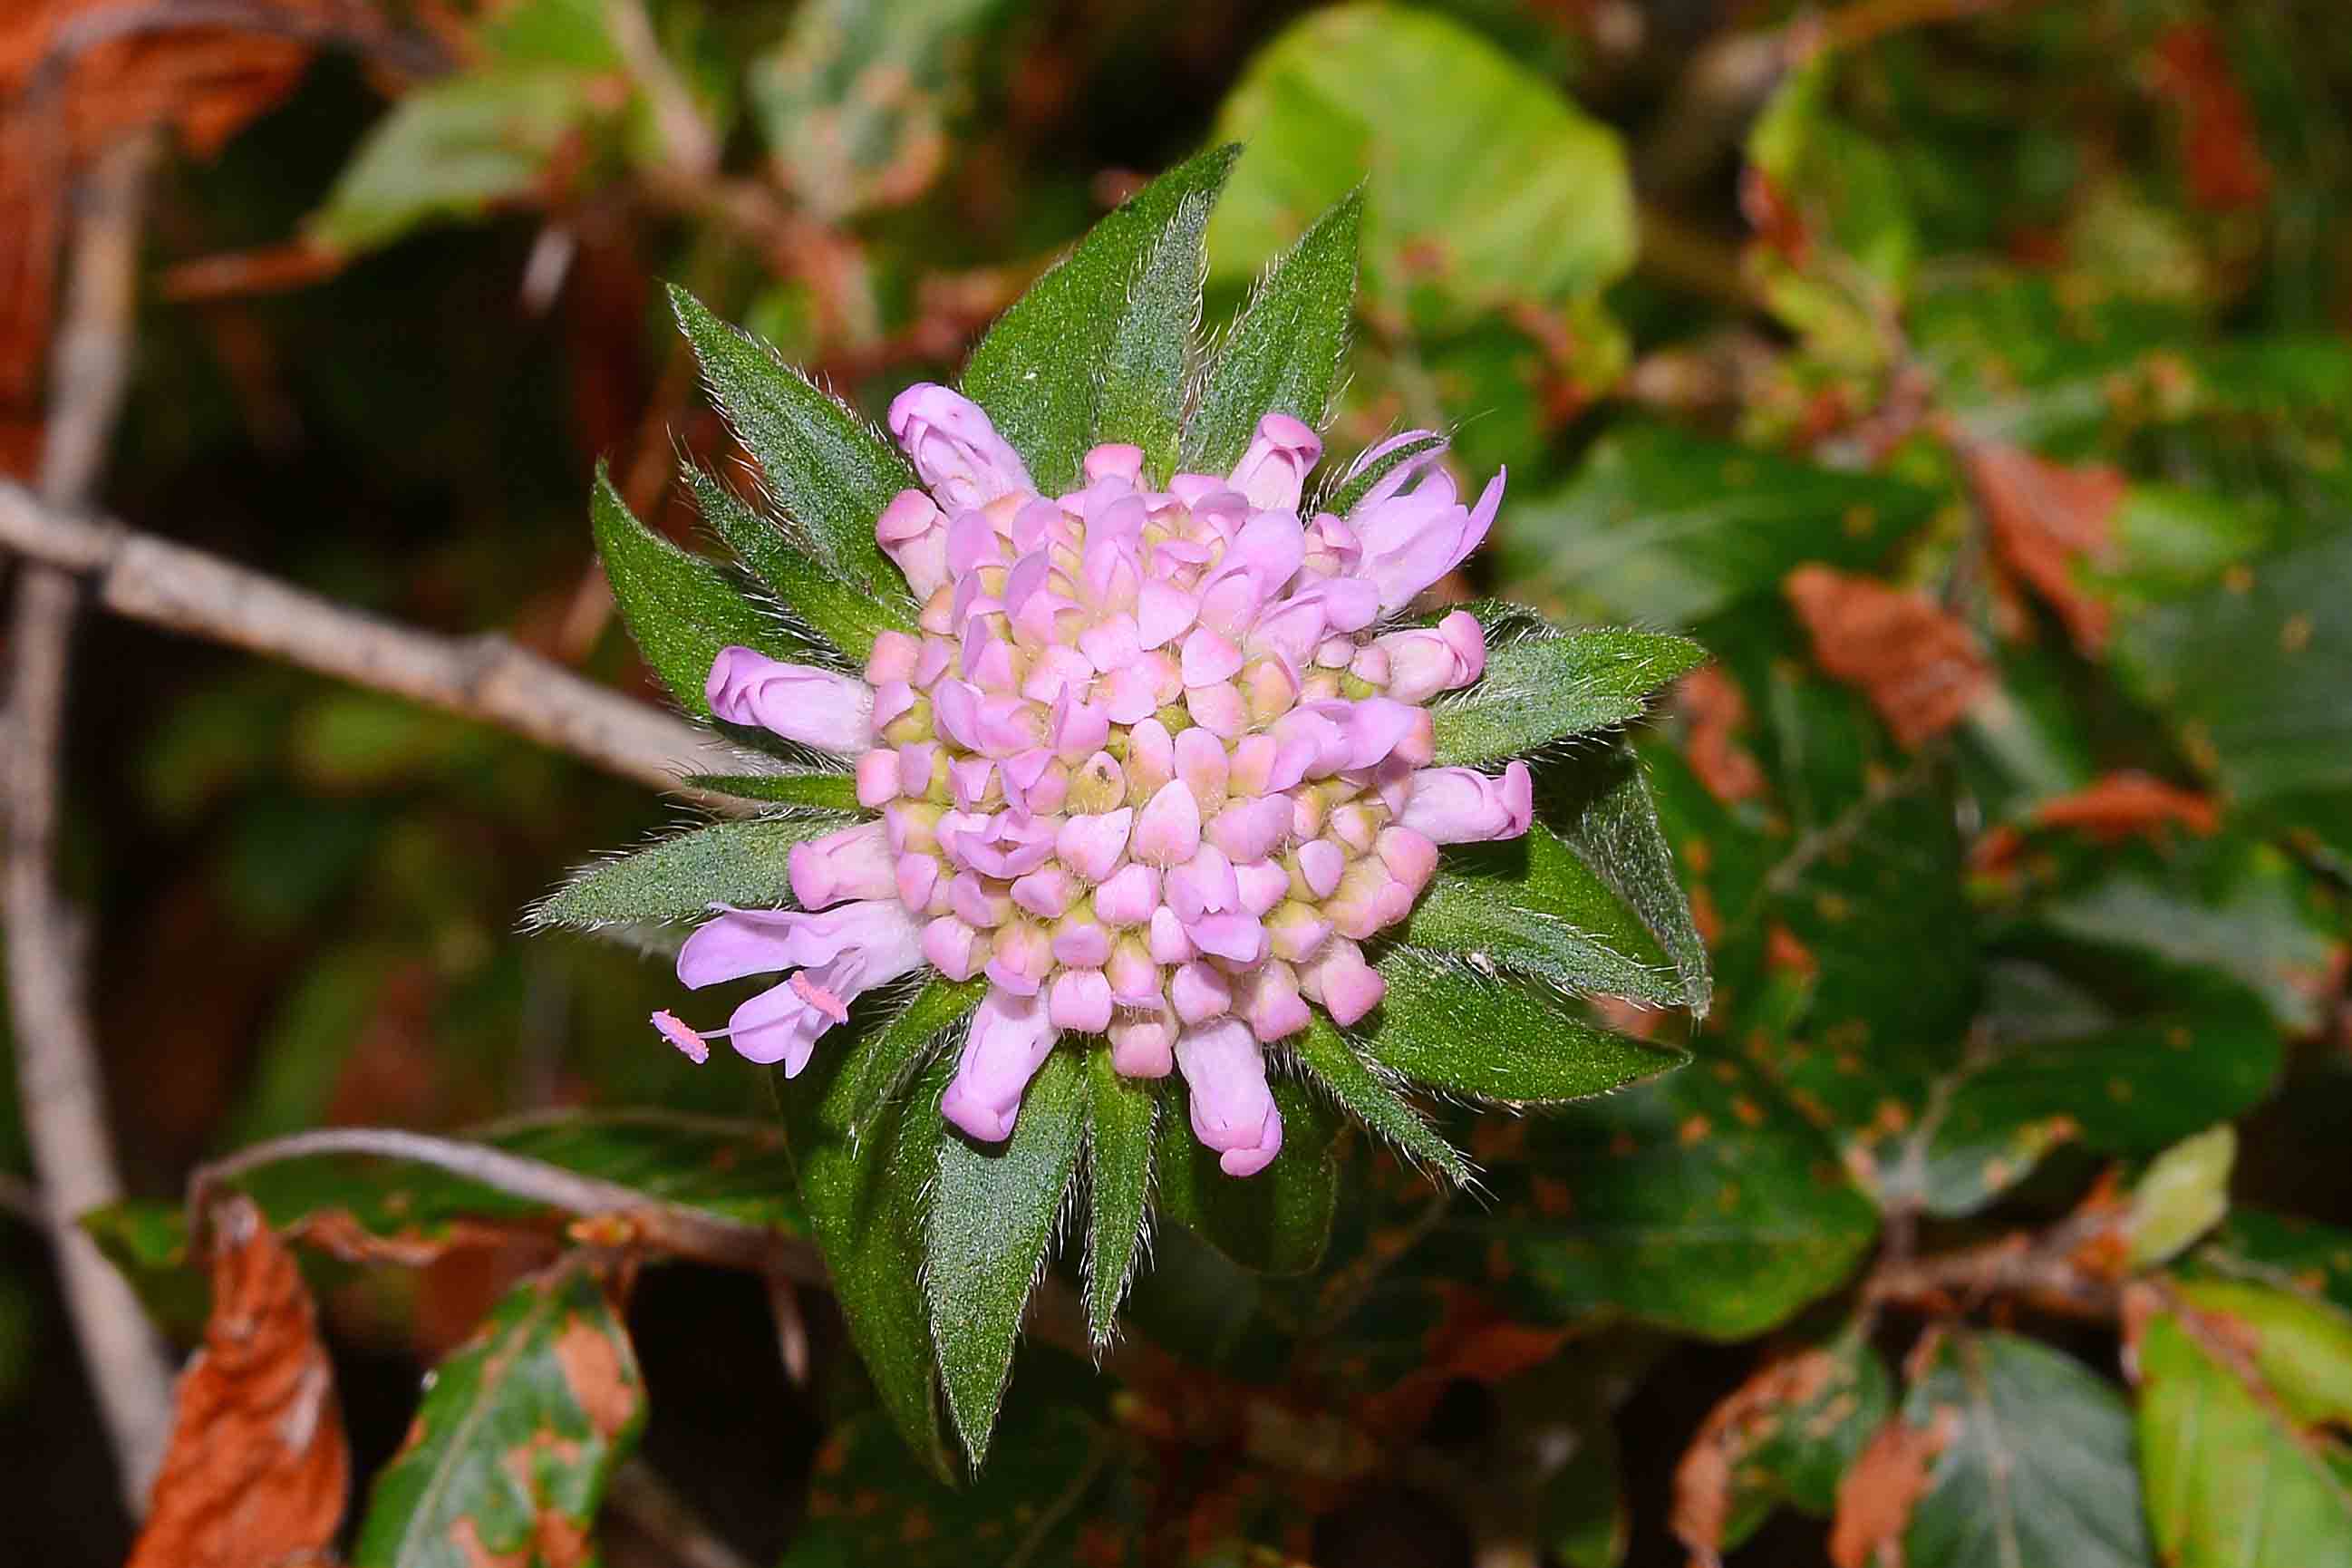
column 638, row 1222
column 487, row 677
column 56, row 1058
column 2058, row 1270
column 642, row 1497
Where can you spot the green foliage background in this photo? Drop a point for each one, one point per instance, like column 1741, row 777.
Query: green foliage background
column 1733, row 292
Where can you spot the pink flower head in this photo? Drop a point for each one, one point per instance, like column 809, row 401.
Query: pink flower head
column 1150, row 768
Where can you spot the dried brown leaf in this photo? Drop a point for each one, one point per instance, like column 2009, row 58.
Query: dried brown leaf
column 1876, row 1499
column 2046, row 518
column 1716, row 712
column 257, row 1467
column 1920, row 668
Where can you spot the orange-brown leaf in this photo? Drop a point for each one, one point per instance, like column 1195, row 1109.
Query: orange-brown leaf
column 2226, row 169
column 1920, row 668
column 257, row 1467
column 1748, row 1415
column 2045, row 519
column 1716, row 712
column 2116, row 805
column 1876, row 1499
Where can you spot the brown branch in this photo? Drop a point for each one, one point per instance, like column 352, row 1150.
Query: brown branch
column 56, row 1057
column 635, row 1221
column 2059, row 1271
column 487, row 677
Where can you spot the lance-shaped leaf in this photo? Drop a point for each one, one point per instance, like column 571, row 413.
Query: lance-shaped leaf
column 929, row 1025
column 832, row 613
column 1143, row 383
column 1531, row 903
column 1366, row 1096
column 1119, row 1117
column 993, row 1215
column 1502, row 1039
column 740, row 863
column 520, row 1430
column 827, row 470
column 1039, row 369
column 1276, row 1222
column 681, row 609
column 821, row 791
column 1602, row 806
column 865, row 1188
column 1542, row 688
column 1283, row 354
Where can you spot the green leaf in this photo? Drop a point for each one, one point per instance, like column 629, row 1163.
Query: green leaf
column 1703, row 1203
column 743, row 863
column 1283, row 354
column 822, row 791
column 925, row 1028
column 836, row 616
column 859, row 99
column 454, row 149
column 1037, row 370
column 1143, row 382
column 2183, row 1194
column 2036, row 1465
column 1365, row 1094
column 1602, row 807
column 993, row 1215
column 2299, row 1346
column 681, row 609
column 1531, row 904
column 1790, row 1432
column 1544, row 689
column 1528, row 200
column 1118, row 1187
column 520, row 1430
column 2232, row 1479
column 865, row 1188
column 1666, row 528
column 1499, row 1038
column 1846, row 179
column 1276, row 1222
column 827, row 470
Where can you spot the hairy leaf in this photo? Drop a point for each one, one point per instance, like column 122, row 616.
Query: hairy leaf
column 1143, row 383
column 1120, row 1122
column 827, row 468
column 993, row 1217
column 820, row 792
column 742, row 863
column 681, row 609
column 837, row 616
column 1037, row 370
column 1516, row 1041
column 1540, row 689
column 1532, row 904
column 1283, row 355
column 1366, row 1094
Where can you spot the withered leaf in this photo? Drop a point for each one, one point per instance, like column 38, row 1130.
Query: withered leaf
column 1920, row 668
column 258, row 1466
column 2046, row 519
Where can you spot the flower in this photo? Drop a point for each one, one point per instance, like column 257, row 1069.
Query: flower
column 1152, row 766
